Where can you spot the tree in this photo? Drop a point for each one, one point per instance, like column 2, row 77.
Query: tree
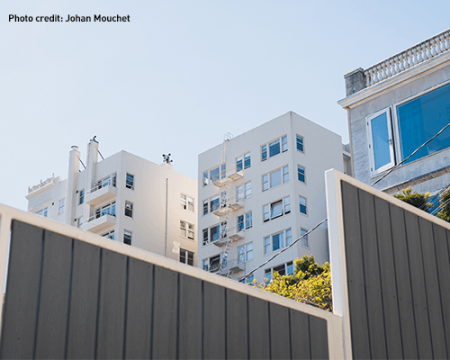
column 444, row 204
column 414, row 198
column 310, row 283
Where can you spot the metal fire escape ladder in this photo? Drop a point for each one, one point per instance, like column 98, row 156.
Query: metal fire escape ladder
column 224, row 203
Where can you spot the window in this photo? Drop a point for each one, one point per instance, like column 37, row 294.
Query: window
column 277, row 209
column 240, row 223
column 248, row 189
column 108, row 209
column 285, row 174
column 299, row 143
column 275, row 178
column 247, row 161
column 287, row 205
column 263, row 152
column 248, row 279
column 213, row 263
column 127, row 237
column 79, row 222
column 245, row 252
column 381, row 147
column 129, row 182
column 288, row 237
column 205, row 178
column 240, row 192
column 187, row 203
column 265, row 182
column 81, row 198
column 128, row 209
column 223, row 170
column 284, row 269
column 61, row 206
column 284, row 146
column 239, row 163
column 214, row 174
column 302, row 203
column 43, row 212
column 248, row 220
column 304, row 241
column 187, row 230
column 243, row 162
column 205, row 207
column 109, row 235
column 276, row 241
column 108, row 180
column 420, row 119
column 214, row 203
column 187, row 257
column 301, row 173
column 214, row 233
column 275, row 147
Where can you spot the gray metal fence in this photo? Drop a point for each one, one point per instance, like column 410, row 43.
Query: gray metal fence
column 398, row 278
column 68, row 298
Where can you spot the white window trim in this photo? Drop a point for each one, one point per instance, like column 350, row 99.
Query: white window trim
column 269, row 182
column 283, row 209
column 271, row 240
column 307, row 212
column 268, row 147
column 132, row 209
column 369, row 118
column 304, row 169
column 134, row 181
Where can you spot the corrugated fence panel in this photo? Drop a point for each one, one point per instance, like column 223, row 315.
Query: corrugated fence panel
column 69, row 299
column 398, row 280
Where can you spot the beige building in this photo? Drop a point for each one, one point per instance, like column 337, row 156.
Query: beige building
column 260, row 191
column 125, row 198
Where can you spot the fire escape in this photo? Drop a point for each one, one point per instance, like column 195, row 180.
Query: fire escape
column 229, row 257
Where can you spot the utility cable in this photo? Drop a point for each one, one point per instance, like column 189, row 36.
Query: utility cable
column 283, row 250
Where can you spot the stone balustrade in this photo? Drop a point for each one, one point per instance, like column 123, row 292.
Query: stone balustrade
column 407, row 59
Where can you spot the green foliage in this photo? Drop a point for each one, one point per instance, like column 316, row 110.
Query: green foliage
column 414, row 198
column 444, row 213
column 310, row 283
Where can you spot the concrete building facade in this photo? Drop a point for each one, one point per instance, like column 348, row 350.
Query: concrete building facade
column 394, row 107
column 260, row 191
column 125, row 198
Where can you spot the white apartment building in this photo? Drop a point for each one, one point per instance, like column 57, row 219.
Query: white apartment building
column 260, row 191
column 125, row 198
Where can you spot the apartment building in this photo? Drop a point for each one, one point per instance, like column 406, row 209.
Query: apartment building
column 394, row 107
column 261, row 190
column 125, row 198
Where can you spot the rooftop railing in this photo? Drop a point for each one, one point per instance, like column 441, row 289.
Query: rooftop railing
column 407, row 59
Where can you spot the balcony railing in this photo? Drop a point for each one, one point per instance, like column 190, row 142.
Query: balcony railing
column 230, row 175
column 231, row 235
column 407, row 59
column 108, row 181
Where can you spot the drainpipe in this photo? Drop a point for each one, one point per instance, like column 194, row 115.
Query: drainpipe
column 167, row 210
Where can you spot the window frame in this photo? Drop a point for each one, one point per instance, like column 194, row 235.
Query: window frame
column 265, row 148
column 127, row 235
column 131, row 208
column 189, row 229
column 243, row 256
column 132, row 186
column 304, row 240
column 61, row 206
column 186, row 257
column 185, row 202
column 374, row 172
column 299, row 174
column 81, row 196
column 306, row 205
column 297, row 136
column 269, row 245
column 283, row 208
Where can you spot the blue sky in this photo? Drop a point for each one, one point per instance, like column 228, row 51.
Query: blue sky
column 181, row 74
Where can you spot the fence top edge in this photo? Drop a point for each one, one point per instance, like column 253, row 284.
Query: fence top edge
column 7, row 214
column 389, row 198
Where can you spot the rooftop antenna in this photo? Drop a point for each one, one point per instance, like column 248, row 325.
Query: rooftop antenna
column 167, row 158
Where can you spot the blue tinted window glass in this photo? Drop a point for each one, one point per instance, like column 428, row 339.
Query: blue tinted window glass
column 274, row 148
column 214, row 174
column 420, row 119
column 380, row 141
